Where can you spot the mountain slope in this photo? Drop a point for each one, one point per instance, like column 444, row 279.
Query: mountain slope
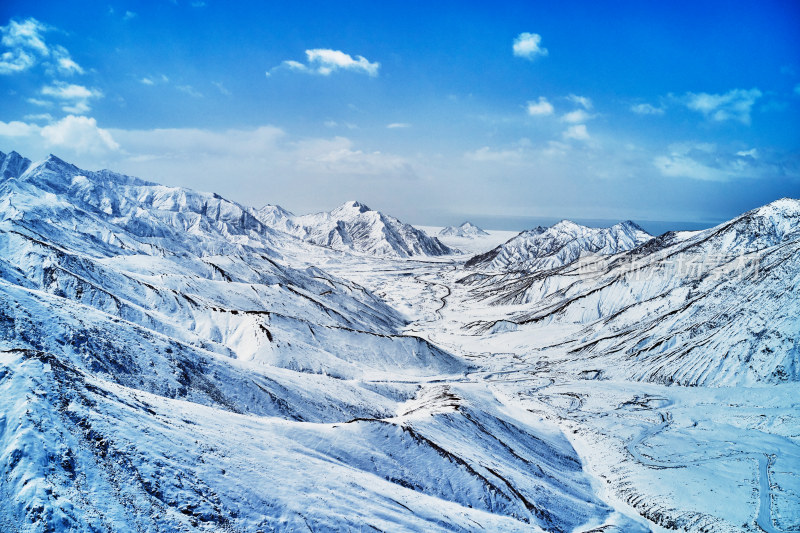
column 716, row 307
column 561, row 244
column 355, row 227
column 162, row 367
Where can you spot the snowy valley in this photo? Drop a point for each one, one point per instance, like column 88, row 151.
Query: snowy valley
column 174, row 361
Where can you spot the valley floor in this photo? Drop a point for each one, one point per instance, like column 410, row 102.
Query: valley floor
column 686, row 458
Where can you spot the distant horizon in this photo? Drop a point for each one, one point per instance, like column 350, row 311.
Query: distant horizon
column 440, row 217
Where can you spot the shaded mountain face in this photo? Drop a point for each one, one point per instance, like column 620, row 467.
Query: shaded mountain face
column 13, row 165
column 355, row 227
column 467, row 230
column 714, row 307
column 561, row 244
column 164, row 366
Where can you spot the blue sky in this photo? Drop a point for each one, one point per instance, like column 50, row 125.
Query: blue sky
column 671, row 114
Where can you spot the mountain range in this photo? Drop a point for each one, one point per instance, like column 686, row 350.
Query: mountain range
column 171, row 360
column 544, row 248
column 355, row 227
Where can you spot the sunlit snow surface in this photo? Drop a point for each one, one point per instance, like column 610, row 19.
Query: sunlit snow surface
column 171, row 363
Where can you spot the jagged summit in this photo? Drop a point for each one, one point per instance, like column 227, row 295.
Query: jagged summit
column 467, row 230
column 350, row 206
column 560, row 244
column 353, row 226
column 13, row 165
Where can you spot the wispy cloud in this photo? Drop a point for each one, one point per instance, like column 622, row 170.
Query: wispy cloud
column 647, row 109
column 74, row 98
column 221, row 88
column 489, row 155
column 35, row 117
column 191, row 91
column 153, row 80
column 582, row 101
column 129, row 15
column 577, row 132
column 396, row 125
column 577, row 116
column 324, row 61
column 708, row 162
column 528, row 45
column 736, row 104
column 24, row 47
column 540, row 107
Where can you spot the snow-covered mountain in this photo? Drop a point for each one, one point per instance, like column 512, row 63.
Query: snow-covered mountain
column 166, row 365
column 561, row 244
column 714, row 307
column 466, row 230
column 355, row 227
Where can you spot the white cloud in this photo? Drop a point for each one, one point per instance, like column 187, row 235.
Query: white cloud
column 527, row 45
column 577, row 116
column 736, row 104
column 25, row 34
column 79, row 134
column 68, row 66
column 26, row 46
column 129, row 15
column 396, row 125
column 540, row 107
column 324, row 61
column 647, row 109
column 147, row 81
column 16, row 128
column 582, row 101
column 25, row 42
column 577, row 132
column 74, row 98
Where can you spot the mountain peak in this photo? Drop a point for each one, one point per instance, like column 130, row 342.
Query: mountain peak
column 353, row 205
column 354, row 226
column 13, row 165
column 560, row 244
column 466, row 229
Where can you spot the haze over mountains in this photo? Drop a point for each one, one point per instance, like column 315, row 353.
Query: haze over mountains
column 172, row 360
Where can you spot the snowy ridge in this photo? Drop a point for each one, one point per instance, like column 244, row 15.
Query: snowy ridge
column 561, row 244
column 715, row 307
column 355, row 227
column 158, row 349
column 466, row 230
